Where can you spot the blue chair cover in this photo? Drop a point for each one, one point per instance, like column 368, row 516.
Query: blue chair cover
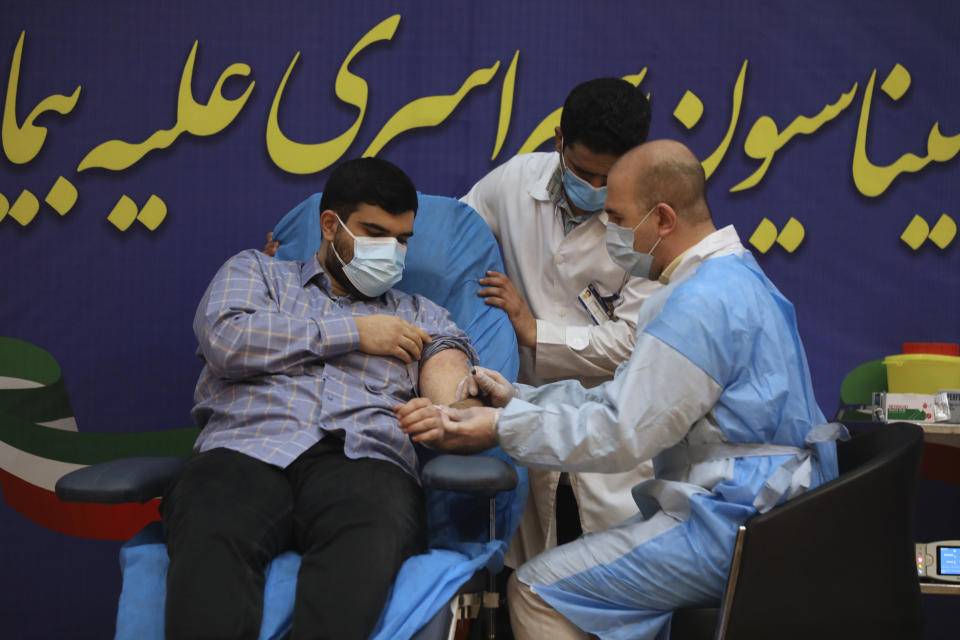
column 450, row 250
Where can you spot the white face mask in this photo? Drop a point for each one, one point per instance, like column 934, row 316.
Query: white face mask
column 619, row 243
column 377, row 263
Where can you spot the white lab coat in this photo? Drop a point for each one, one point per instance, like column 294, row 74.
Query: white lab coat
column 550, row 270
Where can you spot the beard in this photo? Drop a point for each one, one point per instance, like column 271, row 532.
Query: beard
column 341, row 243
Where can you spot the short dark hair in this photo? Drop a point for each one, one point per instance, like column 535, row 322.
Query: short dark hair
column 368, row 180
column 607, row 115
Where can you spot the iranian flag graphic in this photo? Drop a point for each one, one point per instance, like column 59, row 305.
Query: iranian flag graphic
column 40, row 443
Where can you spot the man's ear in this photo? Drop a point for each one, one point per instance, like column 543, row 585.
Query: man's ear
column 666, row 219
column 559, row 139
column 329, row 224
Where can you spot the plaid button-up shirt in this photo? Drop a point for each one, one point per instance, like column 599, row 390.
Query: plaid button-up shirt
column 282, row 367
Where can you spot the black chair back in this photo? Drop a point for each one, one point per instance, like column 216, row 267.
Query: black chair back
column 835, row 562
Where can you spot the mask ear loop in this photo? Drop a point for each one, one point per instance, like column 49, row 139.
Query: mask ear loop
column 659, row 237
column 563, row 165
column 626, row 275
column 655, row 245
column 333, row 245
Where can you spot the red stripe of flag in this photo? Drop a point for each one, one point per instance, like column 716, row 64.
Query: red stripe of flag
column 81, row 519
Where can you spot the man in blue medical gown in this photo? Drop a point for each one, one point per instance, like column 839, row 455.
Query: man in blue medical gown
column 716, row 391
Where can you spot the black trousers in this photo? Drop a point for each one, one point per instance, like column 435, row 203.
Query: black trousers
column 228, row 515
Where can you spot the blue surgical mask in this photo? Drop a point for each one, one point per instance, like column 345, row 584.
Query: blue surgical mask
column 620, row 248
column 377, row 263
column 581, row 193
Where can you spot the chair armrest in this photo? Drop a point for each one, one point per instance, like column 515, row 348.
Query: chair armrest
column 476, row 475
column 122, row 480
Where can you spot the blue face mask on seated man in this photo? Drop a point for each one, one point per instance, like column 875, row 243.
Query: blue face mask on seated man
column 377, row 263
column 581, row 193
column 620, row 248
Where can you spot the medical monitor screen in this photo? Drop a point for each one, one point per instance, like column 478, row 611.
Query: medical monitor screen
column 948, row 561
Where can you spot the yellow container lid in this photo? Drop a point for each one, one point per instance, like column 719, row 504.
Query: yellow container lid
column 917, row 358
column 922, row 372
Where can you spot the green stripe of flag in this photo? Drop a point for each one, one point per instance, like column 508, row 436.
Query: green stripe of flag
column 84, row 447
column 21, row 409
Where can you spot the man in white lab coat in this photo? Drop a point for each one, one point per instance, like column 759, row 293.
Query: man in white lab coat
column 543, row 209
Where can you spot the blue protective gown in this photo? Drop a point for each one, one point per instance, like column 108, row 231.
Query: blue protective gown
column 717, row 392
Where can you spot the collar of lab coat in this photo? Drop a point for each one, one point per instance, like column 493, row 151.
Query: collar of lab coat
column 538, row 187
column 719, row 243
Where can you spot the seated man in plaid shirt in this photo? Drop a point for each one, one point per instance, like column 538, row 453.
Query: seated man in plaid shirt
column 300, row 449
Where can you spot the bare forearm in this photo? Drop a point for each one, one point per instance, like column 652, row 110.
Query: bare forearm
column 440, row 375
column 467, row 403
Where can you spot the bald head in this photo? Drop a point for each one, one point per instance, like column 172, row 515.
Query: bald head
column 658, row 190
column 665, row 171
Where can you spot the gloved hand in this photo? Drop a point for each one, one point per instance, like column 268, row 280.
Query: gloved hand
column 448, row 429
column 486, row 382
column 469, row 430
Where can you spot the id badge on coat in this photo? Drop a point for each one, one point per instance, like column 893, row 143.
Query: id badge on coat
column 598, row 307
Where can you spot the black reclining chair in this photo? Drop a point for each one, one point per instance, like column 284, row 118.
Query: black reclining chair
column 835, row 562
